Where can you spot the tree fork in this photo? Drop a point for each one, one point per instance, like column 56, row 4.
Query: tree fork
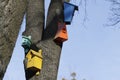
column 51, row 50
column 34, row 24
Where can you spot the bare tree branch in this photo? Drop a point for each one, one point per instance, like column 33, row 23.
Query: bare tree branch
column 115, row 9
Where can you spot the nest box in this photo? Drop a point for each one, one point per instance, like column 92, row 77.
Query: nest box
column 26, row 43
column 34, row 60
column 61, row 34
column 69, row 10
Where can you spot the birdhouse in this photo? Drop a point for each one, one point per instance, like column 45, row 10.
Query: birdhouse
column 34, row 60
column 61, row 34
column 69, row 10
column 26, row 43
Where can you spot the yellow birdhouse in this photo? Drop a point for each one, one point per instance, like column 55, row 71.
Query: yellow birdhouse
column 34, row 60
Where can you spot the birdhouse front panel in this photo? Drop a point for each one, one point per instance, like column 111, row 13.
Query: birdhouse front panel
column 34, row 60
column 61, row 35
column 69, row 10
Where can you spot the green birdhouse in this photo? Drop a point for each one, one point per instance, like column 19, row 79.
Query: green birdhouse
column 26, row 43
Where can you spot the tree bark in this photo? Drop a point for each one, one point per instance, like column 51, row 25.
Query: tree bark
column 34, row 20
column 11, row 15
column 34, row 25
column 51, row 50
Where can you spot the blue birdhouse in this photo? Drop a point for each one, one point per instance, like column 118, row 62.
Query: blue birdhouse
column 69, row 10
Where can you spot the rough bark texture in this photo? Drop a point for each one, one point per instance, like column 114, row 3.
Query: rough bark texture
column 51, row 50
column 11, row 15
column 34, row 25
column 34, row 20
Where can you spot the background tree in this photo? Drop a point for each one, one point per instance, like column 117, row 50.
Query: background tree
column 63, row 79
column 73, row 75
column 115, row 8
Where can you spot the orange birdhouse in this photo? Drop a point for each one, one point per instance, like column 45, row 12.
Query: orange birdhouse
column 61, row 34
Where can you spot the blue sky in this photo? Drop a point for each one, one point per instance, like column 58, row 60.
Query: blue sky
column 92, row 50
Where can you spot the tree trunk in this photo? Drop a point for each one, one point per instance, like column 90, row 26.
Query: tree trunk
column 51, row 50
column 11, row 15
column 34, row 20
column 34, row 25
